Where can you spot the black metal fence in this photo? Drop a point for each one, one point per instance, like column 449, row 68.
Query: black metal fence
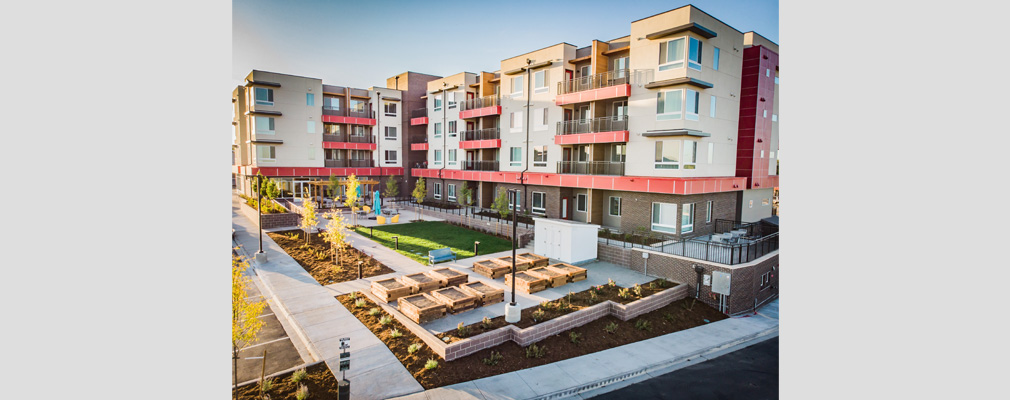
column 697, row 248
column 456, row 209
column 418, row 113
column 754, row 229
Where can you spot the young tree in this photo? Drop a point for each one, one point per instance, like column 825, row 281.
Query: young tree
column 334, row 186
column 466, row 197
column 244, row 322
column 336, row 234
column 392, row 188
column 501, row 204
column 270, row 189
column 351, row 193
column 309, row 218
column 420, row 191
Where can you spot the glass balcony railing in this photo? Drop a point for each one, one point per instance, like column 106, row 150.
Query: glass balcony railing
column 594, row 125
column 597, row 81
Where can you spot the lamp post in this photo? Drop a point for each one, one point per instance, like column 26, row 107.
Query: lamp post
column 512, row 311
column 260, row 255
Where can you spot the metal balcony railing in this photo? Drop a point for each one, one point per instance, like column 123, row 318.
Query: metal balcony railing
column 594, row 125
column 486, row 101
column 479, row 165
column 601, row 80
column 367, row 113
column 418, row 139
column 350, row 163
column 482, row 134
column 418, row 113
column 345, row 138
column 591, row 167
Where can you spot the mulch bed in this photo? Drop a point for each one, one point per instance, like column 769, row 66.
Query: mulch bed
column 323, row 270
column 593, row 338
column 319, row 380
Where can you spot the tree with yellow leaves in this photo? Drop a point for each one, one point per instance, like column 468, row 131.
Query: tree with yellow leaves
column 244, row 322
column 309, row 218
column 336, row 234
column 351, row 193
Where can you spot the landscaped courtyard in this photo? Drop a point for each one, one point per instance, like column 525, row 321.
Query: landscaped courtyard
column 417, row 238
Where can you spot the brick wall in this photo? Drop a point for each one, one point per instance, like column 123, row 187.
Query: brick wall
column 271, row 221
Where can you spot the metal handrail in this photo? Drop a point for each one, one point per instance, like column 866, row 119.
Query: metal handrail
column 481, row 102
column 601, row 80
column 482, row 134
column 480, row 165
column 594, row 125
column 349, row 113
column 418, row 113
column 350, row 163
column 347, row 138
column 591, row 167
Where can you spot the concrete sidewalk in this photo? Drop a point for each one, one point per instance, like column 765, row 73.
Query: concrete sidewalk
column 597, row 373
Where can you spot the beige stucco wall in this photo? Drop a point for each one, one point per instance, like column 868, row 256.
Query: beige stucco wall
column 291, row 126
column 444, row 116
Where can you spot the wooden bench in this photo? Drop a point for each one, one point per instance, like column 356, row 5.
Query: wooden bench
column 486, row 294
column 455, row 300
column 526, row 283
column 574, row 273
column 419, row 282
column 390, row 289
column 437, row 256
column 535, row 260
column 555, row 277
column 448, row 277
column 421, row 308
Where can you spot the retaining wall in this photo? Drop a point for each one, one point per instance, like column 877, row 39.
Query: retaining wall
column 271, row 221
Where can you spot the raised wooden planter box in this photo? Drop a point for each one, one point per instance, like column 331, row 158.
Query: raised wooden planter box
column 486, row 294
column 421, row 307
column 390, row 289
column 419, row 282
column 526, row 283
column 555, row 277
column 522, row 264
column 455, row 300
column 448, row 277
column 574, row 273
column 536, row 260
column 491, row 269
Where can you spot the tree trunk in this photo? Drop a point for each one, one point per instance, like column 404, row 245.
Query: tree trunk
column 234, row 358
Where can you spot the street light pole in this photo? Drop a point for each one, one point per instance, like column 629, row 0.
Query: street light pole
column 512, row 311
column 260, row 255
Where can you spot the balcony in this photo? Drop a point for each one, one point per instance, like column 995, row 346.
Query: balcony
column 489, row 138
column 350, row 163
column 346, row 116
column 476, row 165
column 612, row 129
column 606, row 85
column 480, row 107
column 419, row 116
column 419, row 146
column 591, row 167
column 350, row 142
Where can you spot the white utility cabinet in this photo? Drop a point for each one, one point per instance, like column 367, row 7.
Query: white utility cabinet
column 569, row 241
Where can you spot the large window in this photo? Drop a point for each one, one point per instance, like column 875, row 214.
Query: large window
column 450, row 98
column 540, row 156
column 438, row 190
column 390, row 156
column 539, row 203
column 669, row 104
column 357, row 105
column 264, row 125
column 516, row 157
column 715, row 58
column 331, row 103
column 452, row 128
column 390, row 109
column 690, row 154
column 265, row 153
column 540, row 81
column 517, row 85
column 620, row 67
column 358, row 131
column 687, row 219
column 438, row 157
column 694, row 55
column 618, row 153
column 664, row 217
column 671, row 54
column 452, row 157
column 693, row 98
column 390, row 133
column 451, row 191
column 615, row 206
column 265, row 96
column 312, row 151
column 668, row 154
column 310, row 99
column 580, row 202
column 438, row 129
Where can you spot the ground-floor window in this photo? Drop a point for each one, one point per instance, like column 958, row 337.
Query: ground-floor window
column 452, row 192
column 580, row 202
column 615, row 206
column 438, row 190
column 512, row 199
column 687, row 219
column 538, row 203
column 664, row 217
column 708, row 212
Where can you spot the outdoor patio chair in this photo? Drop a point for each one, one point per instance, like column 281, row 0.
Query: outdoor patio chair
column 395, row 219
column 380, row 220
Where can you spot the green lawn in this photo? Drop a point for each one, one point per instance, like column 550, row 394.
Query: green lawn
column 421, row 237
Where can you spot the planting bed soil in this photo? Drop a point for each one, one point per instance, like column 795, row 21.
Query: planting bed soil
column 318, row 378
column 421, row 307
column 323, row 270
column 455, row 300
column 534, row 259
column 448, row 277
column 486, row 294
column 555, row 277
column 574, row 273
column 526, row 283
column 390, row 289
column 420, row 282
column 592, row 338
column 491, row 269
column 570, row 303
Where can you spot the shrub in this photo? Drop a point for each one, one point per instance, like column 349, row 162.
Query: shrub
column 360, row 303
column 669, row 317
column 638, row 290
column 353, row 296
column 611, row 327
column 431, row 364
column 535, row 351
column 575, row 337
column 538, row 315
column 643, row 325
column 611, row 283
column 652, row 285
column 662, row 283
column 624, row 293
column 302, row 393
column 298, row 375
column 462, row 330
column 374, row 311
column 564, row 307
column 592, row 296
column 385, row 320
column 413, row 348
column 267, row 384
column 395, row 333
column 494, row 359
column 485, row 323
column 547, row 305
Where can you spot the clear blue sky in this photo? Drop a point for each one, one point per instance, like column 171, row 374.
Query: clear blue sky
column 361, row 43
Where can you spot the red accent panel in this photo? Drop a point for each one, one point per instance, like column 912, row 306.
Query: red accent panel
column 419, row 121
column 312, row 171
column 754, row 129
column 594, row 94
column 600, row 137
column 623, row 183
column 480, row 144
column 386, row 171
column 348, row 120
column 349, row 146
column 480, row 112
column 419, row 146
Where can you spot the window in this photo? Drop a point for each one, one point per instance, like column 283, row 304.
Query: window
column 438, row 103
column 584, row 71
column 358, row 131
column 517, row 85
column 687, row 218
column 664, row 217
column 390, row 109
column 540, row 156
column 620, row 110
column 390, row 156
column 711, row 152
column 711, row 107
column 539, row 203
column 618, row 153
column 583, row 152
column 451, row 98
column 768, row 72
column 776, row 80
column 452, row 157
column 516, row 157
column 580, row 202
column 615, row 206
column 310, row 126
column 357, row 105
column 671, row 54
column 331, row 103
column 438, row 129
column 668, row 154
column 331, row 129
column 764, row 202
column 512, row 199
column 390, row 133
column 762, row 154
column 584, row 112
column 310, row 99
column 620, row 67
column 694, row 55
column 265, row 96
column 264, row 125
column 540, row 81
column 451, row 191
column 265, row 153
column 708, row 211
column 715, row 58
column 438, row 190
column 540, row 119
column 669, row 104
column 690, row 154
column 516, row 122
column 438, row 157
column 775, row 118
column 452, row 128
column 751, row 204
column 764, row 114
column 692, row 105
column 312, row 152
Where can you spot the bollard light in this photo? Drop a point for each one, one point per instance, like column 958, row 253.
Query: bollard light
column 359, row 269
column 475, row 244
column 396, row 242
